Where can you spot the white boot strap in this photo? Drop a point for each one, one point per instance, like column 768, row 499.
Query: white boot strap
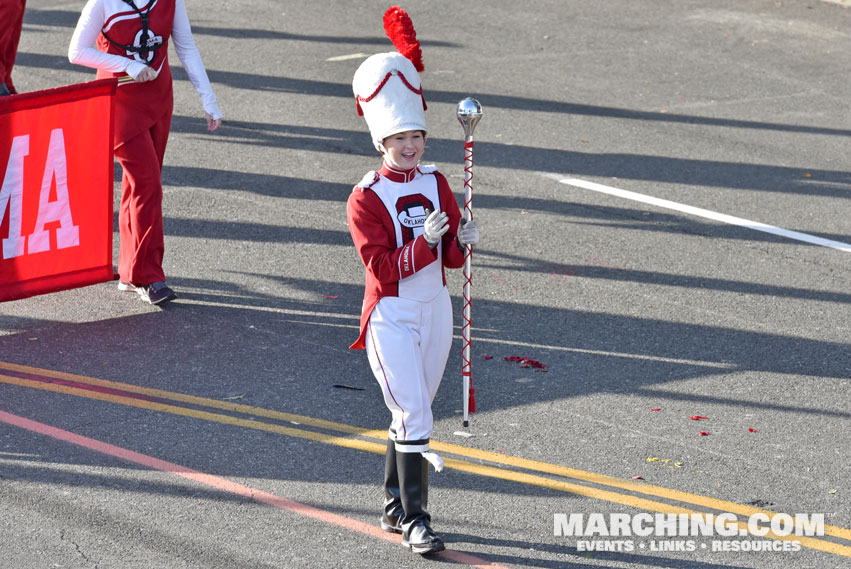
column 434, row 459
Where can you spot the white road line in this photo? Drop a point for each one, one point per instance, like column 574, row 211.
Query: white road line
column 724, row 218
column 348, row 57
column 604, row 353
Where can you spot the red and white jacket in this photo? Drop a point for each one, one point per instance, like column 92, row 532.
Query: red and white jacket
column 386, row 212
column 139, row 105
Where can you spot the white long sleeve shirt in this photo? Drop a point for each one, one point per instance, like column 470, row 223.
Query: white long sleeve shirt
column 92, row 19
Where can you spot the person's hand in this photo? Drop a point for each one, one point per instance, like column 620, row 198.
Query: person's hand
column 212, row 124
column 468, row 232
column 436, row 224
column 147, row 74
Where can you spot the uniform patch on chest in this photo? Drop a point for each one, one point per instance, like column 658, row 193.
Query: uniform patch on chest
column 412, row 215
column 411, row 212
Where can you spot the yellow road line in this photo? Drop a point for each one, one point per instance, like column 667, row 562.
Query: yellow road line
column 461, row 465
column 627, row 500
column 498, row 458
column 192, row 399
column 356, row 444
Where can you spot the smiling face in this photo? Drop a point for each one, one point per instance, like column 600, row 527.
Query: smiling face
column 402, row 151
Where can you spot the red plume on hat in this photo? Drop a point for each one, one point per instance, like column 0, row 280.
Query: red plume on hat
column 401, row 32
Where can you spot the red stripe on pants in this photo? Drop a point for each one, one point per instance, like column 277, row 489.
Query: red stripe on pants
column 140, row 214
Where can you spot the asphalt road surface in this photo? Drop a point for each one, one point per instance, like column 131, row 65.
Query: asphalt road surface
column 663, row 190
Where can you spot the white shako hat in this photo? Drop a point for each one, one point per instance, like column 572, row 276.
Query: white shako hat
column 387, row 87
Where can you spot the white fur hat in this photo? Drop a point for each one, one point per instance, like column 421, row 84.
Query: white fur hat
column 389, row 95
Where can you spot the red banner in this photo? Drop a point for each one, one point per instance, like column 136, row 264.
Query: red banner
column 56, row 170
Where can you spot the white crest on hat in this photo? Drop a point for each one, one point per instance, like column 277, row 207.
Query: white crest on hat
column 389, row 94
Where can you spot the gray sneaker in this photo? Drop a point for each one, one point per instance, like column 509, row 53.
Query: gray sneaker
column 156, row 293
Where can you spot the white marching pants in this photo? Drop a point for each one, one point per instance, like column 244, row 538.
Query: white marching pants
column 408, row 342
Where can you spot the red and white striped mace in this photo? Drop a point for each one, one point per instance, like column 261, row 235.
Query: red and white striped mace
column 469, row 113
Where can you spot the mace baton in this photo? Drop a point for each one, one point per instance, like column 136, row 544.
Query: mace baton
column 469, row 113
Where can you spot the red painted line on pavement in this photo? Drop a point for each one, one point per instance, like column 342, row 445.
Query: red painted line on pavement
column 231, row 487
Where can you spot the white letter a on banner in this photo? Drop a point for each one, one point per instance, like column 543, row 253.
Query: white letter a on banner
column 11, row 195
column 68, row 234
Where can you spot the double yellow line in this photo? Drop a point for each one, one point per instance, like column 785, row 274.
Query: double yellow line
column 584, row 483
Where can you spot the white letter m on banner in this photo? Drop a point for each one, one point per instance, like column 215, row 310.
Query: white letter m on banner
column 11, row 195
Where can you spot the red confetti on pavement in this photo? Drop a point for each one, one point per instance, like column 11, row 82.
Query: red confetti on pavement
column 657, row 409
column 487, row 357
column 331, row 297
column 637, row 478
column 752, row 430
column 697, row 417
column 527, row 362
column 704, row 433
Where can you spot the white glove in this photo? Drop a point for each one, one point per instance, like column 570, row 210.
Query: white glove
column 468, row 232
column 146, row 74
column 436, row 224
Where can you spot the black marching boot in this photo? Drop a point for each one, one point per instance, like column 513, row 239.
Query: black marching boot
column 391, row 519
column 416, row 523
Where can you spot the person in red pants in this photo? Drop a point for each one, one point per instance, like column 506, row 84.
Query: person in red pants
column 12, row 18
column 123, row 38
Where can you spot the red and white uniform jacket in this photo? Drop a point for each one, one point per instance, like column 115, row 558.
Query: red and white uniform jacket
column 139, row 105
column 386, row 212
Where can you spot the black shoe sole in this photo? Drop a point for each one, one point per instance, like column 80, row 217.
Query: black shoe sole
column 169, row 298
column 146, row 298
